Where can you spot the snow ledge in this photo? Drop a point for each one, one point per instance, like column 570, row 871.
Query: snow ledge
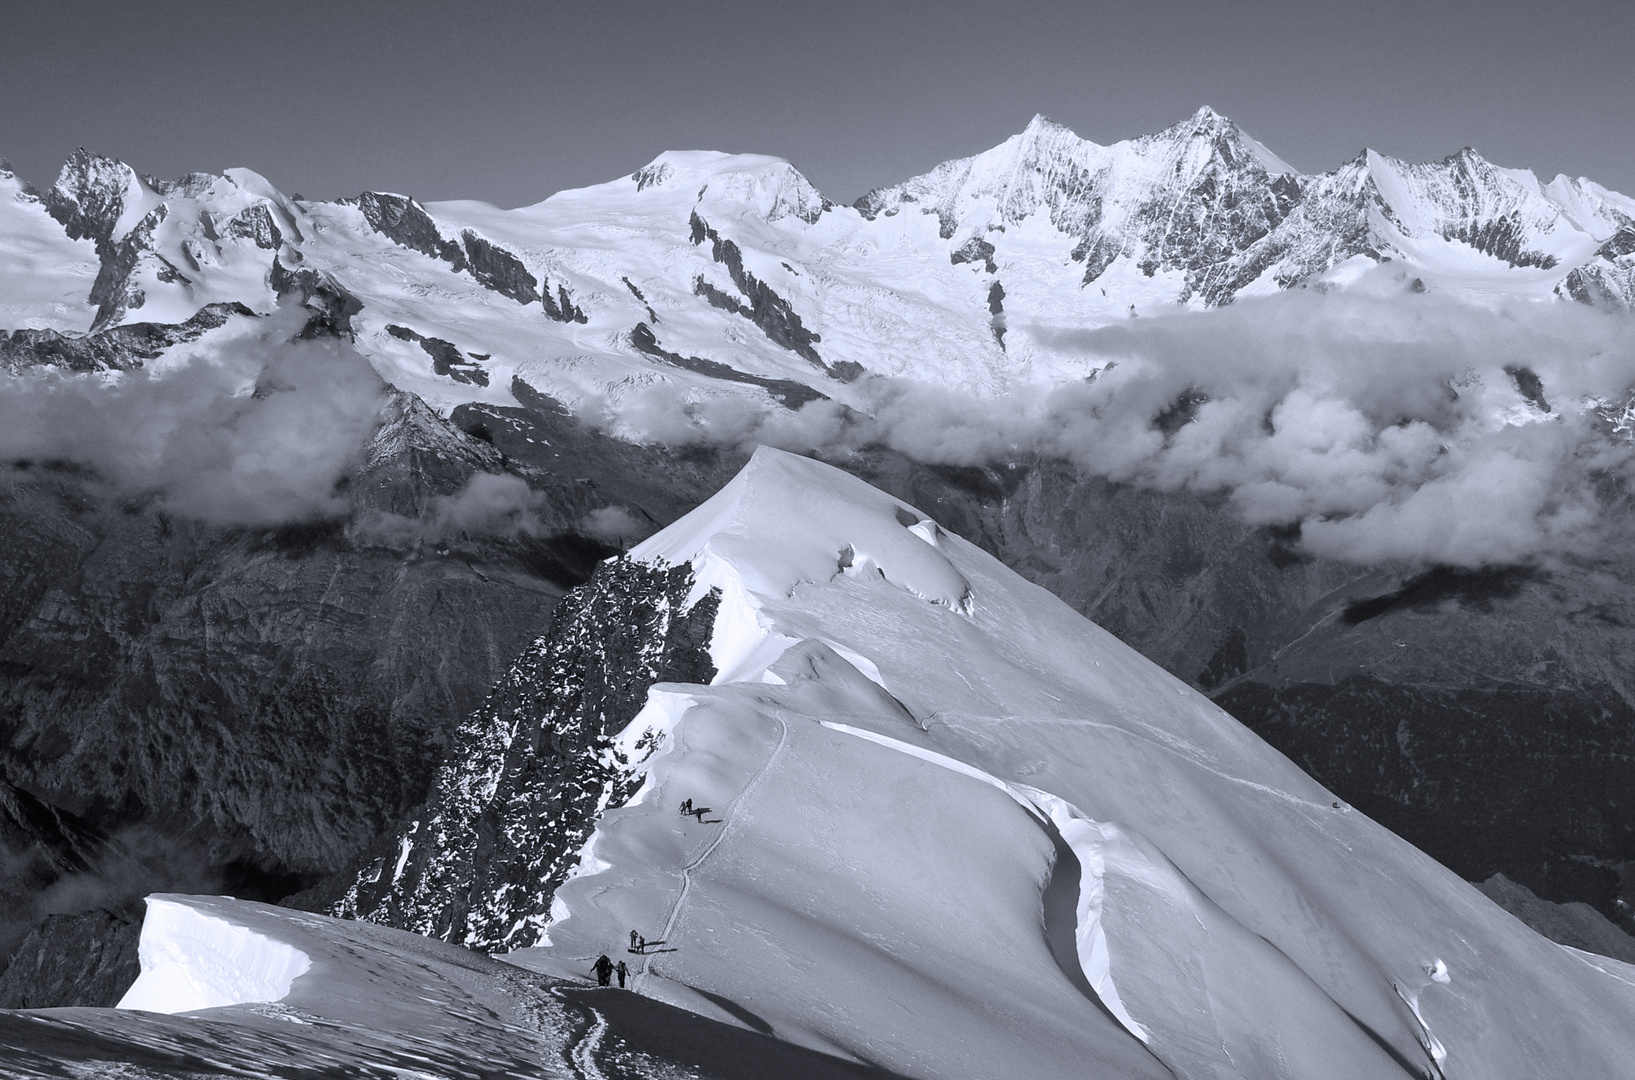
column 195, row 960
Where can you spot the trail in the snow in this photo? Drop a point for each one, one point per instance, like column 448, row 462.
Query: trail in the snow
column 727, row 819
column 582, row 1054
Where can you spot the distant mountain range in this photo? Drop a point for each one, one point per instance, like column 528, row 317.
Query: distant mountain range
column 714, row 272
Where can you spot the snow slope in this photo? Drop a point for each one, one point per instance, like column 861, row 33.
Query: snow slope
column 370, row 1001
column 955, row 830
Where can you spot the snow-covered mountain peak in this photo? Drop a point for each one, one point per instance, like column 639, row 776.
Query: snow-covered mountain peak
column 94, row 196
column 1207, row 124
column 786, row 521
column 765, row 186
column 713, row 273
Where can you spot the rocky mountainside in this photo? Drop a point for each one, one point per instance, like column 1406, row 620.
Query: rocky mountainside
column 1207, row 212
column 531, row 771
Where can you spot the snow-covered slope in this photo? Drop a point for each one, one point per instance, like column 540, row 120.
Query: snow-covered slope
column 709, row 274
column 232, row 988
column 955, row 830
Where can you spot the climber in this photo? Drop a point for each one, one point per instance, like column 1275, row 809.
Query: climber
column 603, row 969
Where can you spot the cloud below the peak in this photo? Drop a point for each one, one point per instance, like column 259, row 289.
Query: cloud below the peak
column 1390, row 427
column 246, row 428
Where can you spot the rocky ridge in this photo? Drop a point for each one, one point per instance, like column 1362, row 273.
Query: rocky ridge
column 530, row 772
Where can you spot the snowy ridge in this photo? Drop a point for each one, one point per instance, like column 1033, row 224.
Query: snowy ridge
column 705, row 275
column 1004, row 804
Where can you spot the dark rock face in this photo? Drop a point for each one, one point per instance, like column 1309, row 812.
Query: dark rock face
column 1486, row 716
column 975, row 250
column 88, row 199
column 404, row 221
column 1180, row 412
column 446, row 358
column 791, row 394
column 87, row 960
column 332, row 306
column 499, row 269
column 1608, row 281
column 1621, row 243
column 1553, row 804
column 112, row 292
column 89, row 196
column 117, row 348
column 996, row 312
column 765, row 308
column 40, row 845
column 1574, row 924
column 41, row 842
column 531, row 771
column 1529, row 385
column 278, row 696
column 1602, row 285
column 562, row 308
column 1501, row 238
column 256, row 225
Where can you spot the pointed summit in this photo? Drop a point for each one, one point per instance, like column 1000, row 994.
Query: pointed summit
column 1041, row 126
column 1211, row 126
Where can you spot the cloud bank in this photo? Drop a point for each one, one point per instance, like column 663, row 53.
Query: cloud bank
column 1391, row 427
column 239, row 429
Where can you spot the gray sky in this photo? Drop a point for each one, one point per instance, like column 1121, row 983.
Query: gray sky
column 509, row 101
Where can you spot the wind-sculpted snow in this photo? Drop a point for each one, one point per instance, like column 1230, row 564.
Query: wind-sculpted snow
column 193, row 959
column 982, row 838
